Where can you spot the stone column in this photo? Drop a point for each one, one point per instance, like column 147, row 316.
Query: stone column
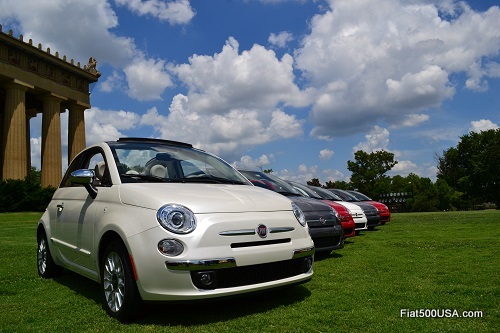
column 76, row 130
column 15, row 162
column 51, row 141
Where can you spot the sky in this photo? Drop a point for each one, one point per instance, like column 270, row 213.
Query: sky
column 296, row 86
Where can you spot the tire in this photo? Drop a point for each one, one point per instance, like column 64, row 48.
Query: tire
column 120, row 297
column 44, row 262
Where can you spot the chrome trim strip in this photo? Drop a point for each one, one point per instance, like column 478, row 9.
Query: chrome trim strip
column 304, row 252
column 242, row 232
column 280, row 229
column 196, row 265
column 247, row 232
column 74, row 248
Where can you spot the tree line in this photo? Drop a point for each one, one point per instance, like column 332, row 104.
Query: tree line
column 25, row 195
column 468, row 177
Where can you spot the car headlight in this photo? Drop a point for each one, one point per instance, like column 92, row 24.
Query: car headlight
column 176, row 218
column 299, row 214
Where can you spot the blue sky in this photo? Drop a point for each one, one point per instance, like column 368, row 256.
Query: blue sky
column 289, row 85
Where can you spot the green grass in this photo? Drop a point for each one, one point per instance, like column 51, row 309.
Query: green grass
column 416, row 261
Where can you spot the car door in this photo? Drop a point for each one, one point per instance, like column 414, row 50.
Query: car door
column 73, row 231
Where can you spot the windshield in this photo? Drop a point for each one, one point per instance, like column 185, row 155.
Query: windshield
column 270, row 182
column 157, row 162
column 326, row 194
column 345, row 196
column 306, row 190
column 359, row 196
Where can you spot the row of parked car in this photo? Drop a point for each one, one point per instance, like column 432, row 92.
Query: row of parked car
column 156, row 220
column 331, row 214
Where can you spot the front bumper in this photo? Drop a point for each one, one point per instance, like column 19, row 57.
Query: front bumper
column 224, row 273
column 327, row 238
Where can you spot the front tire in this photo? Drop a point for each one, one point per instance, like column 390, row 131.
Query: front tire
column 120, row 297
column 44, row 262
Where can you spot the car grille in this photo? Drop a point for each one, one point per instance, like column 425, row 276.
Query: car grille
column 260, row 243
column 253, row 274
column 348, row 231
column 322, row 243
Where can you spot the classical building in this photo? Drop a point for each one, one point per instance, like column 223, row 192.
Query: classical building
column 32, row 81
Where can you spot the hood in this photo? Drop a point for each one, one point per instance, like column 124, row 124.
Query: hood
column 317, row 213
column 310, row 204
column 367, row 208
column 204, row 198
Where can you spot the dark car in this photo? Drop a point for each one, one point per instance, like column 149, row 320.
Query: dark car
column 385, row 214
column 323, row 221
column 357, row 213
column 345, row 216
column 372, row 214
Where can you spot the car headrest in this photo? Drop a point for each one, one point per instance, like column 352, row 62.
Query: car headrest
column 159, row 171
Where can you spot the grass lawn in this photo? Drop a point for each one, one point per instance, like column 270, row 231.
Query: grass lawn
column 418, row 261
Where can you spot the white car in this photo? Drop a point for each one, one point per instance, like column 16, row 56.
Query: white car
column 357, row 213
column 156, row 220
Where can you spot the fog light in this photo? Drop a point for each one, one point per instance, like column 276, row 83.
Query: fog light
column 307, row 264
column 170, row 247
column 205, row 279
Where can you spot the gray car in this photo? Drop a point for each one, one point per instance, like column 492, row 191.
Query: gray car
column 323, row 221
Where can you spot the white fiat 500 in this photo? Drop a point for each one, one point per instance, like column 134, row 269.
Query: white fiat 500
column 156, row 220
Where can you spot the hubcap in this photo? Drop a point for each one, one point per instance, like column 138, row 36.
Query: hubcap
column 114, row 282
column 41, row 257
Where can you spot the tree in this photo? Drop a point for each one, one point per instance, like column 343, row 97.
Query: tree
column 24, row 195
column 368, row 169
column 473, row 168
column 314, row 182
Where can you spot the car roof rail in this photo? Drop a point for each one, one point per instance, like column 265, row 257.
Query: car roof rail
column 150, row 140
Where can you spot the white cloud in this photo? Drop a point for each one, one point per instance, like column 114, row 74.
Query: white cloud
column 248, row 163
column 73, row 28
column 383, row 60
column 254, row 79
column 306, row 173
column 325, row 154
column 105, row 125
column 411, row 120
column 377, row 139
column 223, row 134
column 482, row 125
column 147, row 79
column 173, row 11
column 112, row 82
column 90, row 25
column 281, row 39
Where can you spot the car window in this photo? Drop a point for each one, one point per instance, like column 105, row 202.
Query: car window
column 93, row 160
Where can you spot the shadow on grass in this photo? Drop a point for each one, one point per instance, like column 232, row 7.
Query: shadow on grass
column 194, row 313
column 80, row 285
column 198, row 312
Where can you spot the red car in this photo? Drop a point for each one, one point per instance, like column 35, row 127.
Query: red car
column 345, row 217
column 385, row 214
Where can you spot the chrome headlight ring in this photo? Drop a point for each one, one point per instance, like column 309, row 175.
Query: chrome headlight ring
column 176, row 218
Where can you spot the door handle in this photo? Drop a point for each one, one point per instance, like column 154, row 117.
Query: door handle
column 61, row 206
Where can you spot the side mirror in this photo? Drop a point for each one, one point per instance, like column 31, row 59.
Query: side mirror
column 86, row 178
